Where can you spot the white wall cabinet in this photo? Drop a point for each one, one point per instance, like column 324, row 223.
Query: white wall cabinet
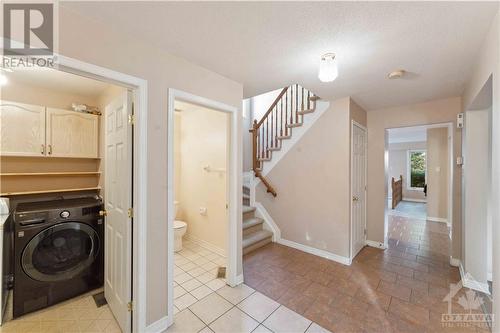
column 32, row 130
column 22, row 129
column 72, row 134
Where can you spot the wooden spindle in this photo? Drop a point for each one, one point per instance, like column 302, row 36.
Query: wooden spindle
column 302, row 108
column 308, row 99
column 281, row 122
column 296, row 103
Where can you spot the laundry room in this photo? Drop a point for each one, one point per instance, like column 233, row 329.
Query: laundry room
column 66, row 201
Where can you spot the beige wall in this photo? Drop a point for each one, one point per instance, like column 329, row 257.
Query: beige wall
column 99, row 44
column 488, row 64
column 437, row 172
column 438, row 111
column 398, row 159
column 203, row 142
column 313, row 202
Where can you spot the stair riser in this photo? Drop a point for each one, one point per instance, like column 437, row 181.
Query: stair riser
column 248, row 215
column 257, row 245
column 252, row 229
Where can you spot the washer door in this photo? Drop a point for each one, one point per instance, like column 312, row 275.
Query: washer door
column 60, row 252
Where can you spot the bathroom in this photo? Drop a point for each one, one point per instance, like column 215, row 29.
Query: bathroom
column 200, row 147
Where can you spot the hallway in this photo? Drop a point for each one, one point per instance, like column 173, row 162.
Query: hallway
column 400, row 289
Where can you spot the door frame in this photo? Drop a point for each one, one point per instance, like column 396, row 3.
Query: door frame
column 233, row 195
column 354, row 123
column 139, row 174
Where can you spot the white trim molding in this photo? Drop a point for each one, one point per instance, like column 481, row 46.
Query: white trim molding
column 269, row 224
column 140, row 174
column 234, row 191
column 469, row 281
column 375, row 244
column 414, row 200
column 239, row 280
column 316, row 252
column 158, row 326
column 437, row 219
column 454, row 262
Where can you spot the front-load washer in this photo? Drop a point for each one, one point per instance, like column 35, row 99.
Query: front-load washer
column 58, row 248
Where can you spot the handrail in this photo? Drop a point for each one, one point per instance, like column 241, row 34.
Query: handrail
column 272, row 106
column 286, row 112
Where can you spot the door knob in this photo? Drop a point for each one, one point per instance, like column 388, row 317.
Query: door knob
column 103, row 213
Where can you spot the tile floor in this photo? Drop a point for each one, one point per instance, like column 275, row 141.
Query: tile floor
column 416, row 210
column 400, row 289
column 206, row 304
column 79, row 314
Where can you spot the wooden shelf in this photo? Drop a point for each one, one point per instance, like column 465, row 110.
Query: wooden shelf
column 50, row 191
column 72, row 173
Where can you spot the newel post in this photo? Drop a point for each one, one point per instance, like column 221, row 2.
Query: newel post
column 254, row 131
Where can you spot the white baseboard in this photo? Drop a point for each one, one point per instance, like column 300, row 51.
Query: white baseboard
column 206, row 245
column 469, row 282
column 375, row 244
column 437, row 219
column 239, row 280
column 315, row 251
column 454, row 262
column 269, row 223
column 415, row 200
column 158, row 326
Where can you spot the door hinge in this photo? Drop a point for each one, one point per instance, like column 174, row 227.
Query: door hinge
column 130, row 306
column 131, row 119
column 130, row 212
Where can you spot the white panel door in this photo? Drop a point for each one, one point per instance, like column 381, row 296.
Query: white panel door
column 358, row 185
column 72, row 134
column 118, row 199
column 22, row 129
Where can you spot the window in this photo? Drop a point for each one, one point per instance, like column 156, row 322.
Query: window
column 417, row 164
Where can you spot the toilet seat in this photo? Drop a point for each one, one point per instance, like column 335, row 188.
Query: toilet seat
column 179, row 224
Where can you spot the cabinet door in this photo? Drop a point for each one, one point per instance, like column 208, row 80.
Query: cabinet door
column 72, row 134
column 22, row 129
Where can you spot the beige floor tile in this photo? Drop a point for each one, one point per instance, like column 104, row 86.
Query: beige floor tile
column 235, row 294
column 284, row 320
column 216, row 284
column 196, row 271
column 184, row 301
column 234, row 321
column 261, row 329
column 185, row 321
column 181, row 278
column 191, row 284
column 258, row 306
column 201, row 292
column 210, row 308
column 179, row 291
column 206, row 330
column 206, row 277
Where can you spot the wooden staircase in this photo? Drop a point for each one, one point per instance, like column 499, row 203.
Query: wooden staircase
column 285, row 113
column 254, row 235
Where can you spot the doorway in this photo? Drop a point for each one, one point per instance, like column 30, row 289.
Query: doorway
column 419, row 167
column 358, row 188
column 215, row 251
column 74, row 141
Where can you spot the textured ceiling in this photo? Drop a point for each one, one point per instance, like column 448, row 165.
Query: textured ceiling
column 268, row 45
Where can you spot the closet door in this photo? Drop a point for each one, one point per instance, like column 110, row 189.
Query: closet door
column 72, row 134
column 22, row 129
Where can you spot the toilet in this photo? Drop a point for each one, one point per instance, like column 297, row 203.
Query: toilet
column 180, row 228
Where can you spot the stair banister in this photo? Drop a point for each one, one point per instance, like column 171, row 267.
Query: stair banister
column 276, row 124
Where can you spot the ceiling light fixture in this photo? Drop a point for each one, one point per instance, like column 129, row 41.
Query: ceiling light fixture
column 328, row 70
column 397, row 74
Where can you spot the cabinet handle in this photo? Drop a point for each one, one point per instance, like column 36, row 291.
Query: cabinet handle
column 50, row 149
column 43, row 150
